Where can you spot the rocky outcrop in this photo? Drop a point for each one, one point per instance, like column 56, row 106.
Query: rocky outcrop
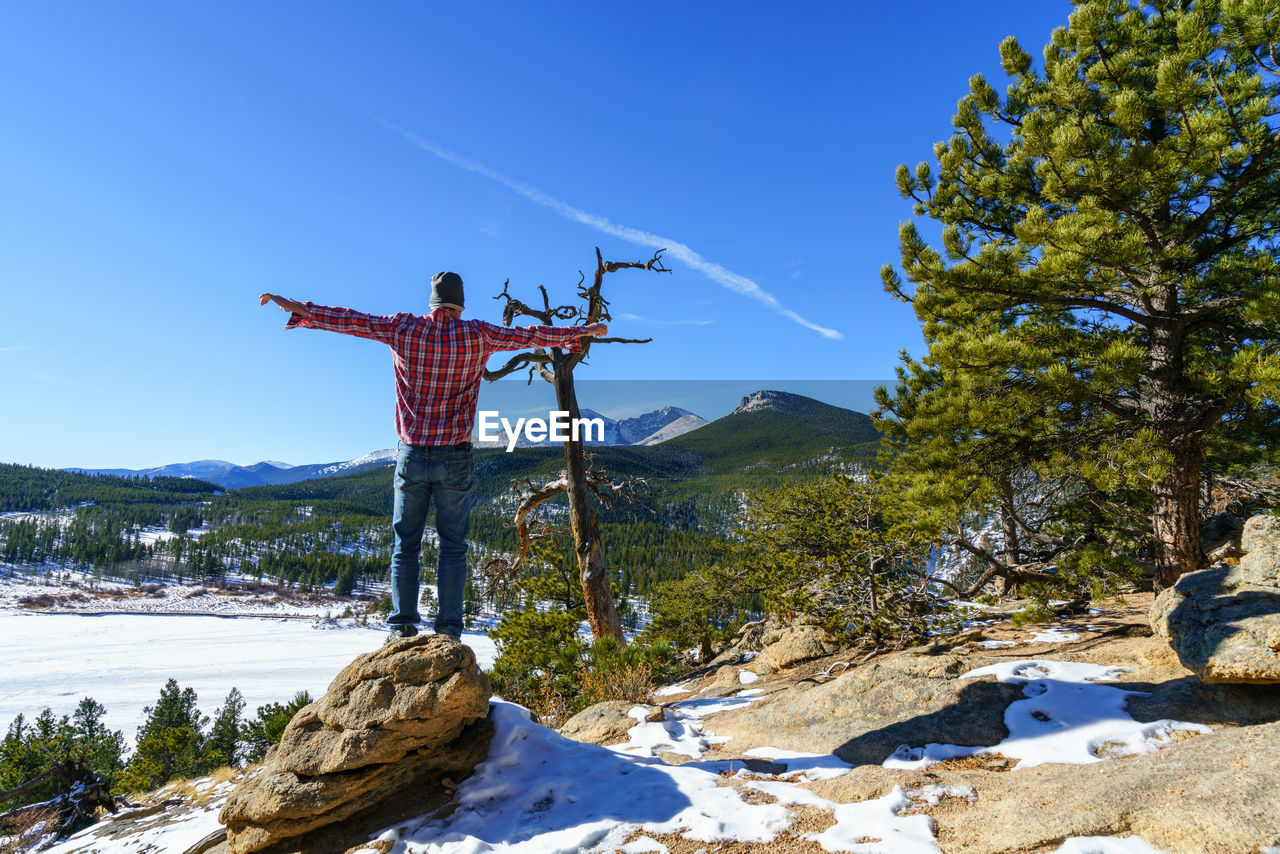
column 778, row 645
column 1224, row 622
column 604, row 723
column 412, row 711
column 1211, row 793
column 794, row 645
column 866, row 713
column 748, row 640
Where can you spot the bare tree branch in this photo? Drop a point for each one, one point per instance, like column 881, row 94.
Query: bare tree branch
column 518, row 361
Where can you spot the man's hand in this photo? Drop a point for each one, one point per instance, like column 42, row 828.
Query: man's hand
column 596, row 330
column 292, row 306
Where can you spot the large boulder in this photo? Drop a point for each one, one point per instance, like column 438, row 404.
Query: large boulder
column 792, row 645
column 749, row 639
column 412, row 711
column 867, row 712
column 1224, row 622
column 603, row 723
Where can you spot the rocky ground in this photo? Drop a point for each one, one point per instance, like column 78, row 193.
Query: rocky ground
column 1183, row 765
column 1200, row 792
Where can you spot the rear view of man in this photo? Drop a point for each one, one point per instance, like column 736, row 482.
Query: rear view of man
column 439, row 359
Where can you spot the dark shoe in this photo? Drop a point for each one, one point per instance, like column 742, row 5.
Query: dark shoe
column 456, row 636
column 398, row 632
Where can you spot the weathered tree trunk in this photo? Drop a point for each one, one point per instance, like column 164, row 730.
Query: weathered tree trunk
column 1009, row 528
column 1175, row 511
column 557, row 367
column 1175, row 516
column 602, row 615
column 705, row 652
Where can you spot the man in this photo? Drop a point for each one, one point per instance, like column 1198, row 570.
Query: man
column 439, row 360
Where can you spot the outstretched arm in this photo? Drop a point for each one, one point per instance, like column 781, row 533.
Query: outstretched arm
column 342, row 320
column 519, row 337
column 291, row 306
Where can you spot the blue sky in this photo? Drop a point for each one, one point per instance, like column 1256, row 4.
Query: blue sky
column 162, row 164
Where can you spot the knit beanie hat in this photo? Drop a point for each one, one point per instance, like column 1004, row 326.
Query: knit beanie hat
column 446, row 291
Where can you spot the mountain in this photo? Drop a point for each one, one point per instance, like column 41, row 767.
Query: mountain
column 679, row 427
column 643, row 429
column 767, row 428
column 778, row 428
column 647, row 429
column 232, row 476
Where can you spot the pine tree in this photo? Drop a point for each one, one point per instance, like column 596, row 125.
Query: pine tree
column 967, row 449
column 267, row 728
column 823, row 549
column 1116, row 256
column 222, row 747
column 703, row 608
column 169, row 740
column 100, row 747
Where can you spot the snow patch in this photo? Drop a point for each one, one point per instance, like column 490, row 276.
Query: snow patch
column 681, row 730
column 804, row 767
column 1066, row 718
column 1054, row 634
column 540, row 792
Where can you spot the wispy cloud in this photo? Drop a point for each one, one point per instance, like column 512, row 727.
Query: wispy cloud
column 12, row 349
column 639, row 318
column 675, row 249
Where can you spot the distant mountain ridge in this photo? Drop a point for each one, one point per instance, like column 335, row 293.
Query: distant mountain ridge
column 649, row 428
column 789, row 426
column 780, row 425
column 264, row 473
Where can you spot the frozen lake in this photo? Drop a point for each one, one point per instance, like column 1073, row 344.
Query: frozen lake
column 123, row 660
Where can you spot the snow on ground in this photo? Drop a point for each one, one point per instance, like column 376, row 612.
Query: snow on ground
column 681, row 730
column 157, row 534
column 123, row 660
column 540, row 792
column 1067, row 717
column 106, row 597
column 1055, row 634
column 159, row 833
column 804, row 767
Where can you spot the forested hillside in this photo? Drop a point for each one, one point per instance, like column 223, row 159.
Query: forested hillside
column 336, row 530
column 26, row 488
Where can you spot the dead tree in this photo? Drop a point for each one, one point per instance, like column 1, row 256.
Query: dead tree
column 66, row 813
column 577, row 480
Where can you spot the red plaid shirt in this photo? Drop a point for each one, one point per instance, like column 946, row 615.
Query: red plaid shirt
column 438, row 362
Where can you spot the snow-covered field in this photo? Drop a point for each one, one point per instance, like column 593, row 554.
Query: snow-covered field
column 123, row 660
column 106, row 597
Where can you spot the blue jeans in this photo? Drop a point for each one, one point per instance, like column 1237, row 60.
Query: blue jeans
column 424, row 472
